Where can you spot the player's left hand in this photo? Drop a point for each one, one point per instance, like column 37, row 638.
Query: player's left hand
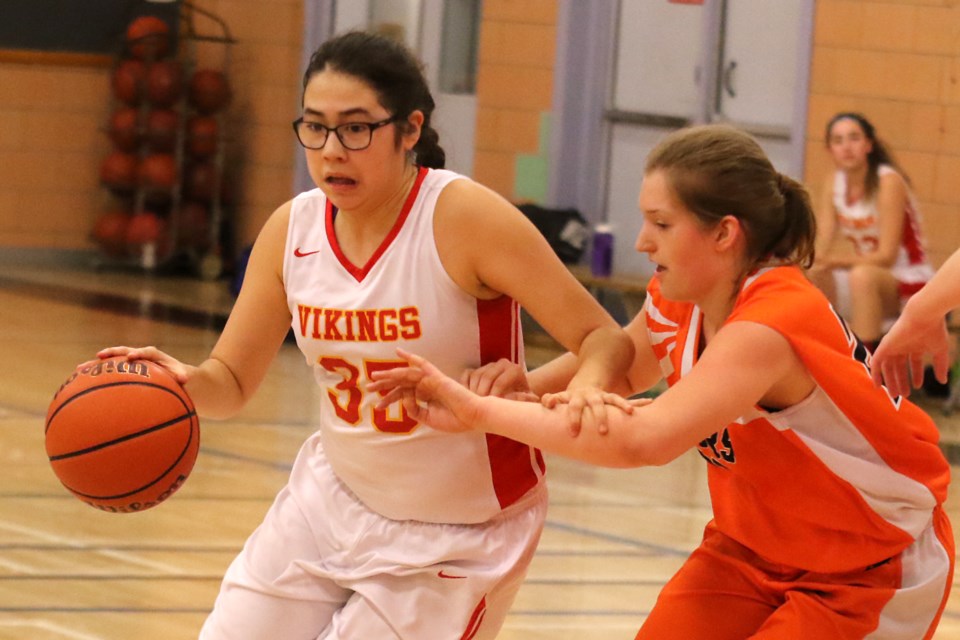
column 427, row 394
column 586, row 406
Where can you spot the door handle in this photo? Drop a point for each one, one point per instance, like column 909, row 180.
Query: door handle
column 728, row 79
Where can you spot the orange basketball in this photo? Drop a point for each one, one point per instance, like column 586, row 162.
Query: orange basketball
column 145, row 227
column 124, row 129
column 202, row 136
column 157, row 172
column 122, row 436
column 164, row 82
column 119, row 171
column 148, row 37
column 162, row 125
column 110, row 232
column 209, row 91
column 128, row 81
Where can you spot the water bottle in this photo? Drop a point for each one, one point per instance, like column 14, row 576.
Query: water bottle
column 601, row 254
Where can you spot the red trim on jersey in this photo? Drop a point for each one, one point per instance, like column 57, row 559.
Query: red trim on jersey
column 907, row 289
column 476, row 619
column 357, row 272
column 511, row 468
column 911, row 237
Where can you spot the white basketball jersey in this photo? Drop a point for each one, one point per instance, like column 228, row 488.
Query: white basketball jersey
column 859, row 223
column 349, row 319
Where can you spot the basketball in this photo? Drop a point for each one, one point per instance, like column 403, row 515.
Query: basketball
column 119, row 171
column 209, row 91
column 122, row 436
column 148, row 37
column 145, row 227
column 128, row 80
column 110, row 232
column 202, row 136
column 162, row 125
column 164, row 82
column 157, row 173
column 124, row 129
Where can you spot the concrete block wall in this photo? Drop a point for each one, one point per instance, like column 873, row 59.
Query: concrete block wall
column 897, row 62
column 514, row 96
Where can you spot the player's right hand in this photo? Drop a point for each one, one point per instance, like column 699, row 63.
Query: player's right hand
column 180, row 371
column 502, row 378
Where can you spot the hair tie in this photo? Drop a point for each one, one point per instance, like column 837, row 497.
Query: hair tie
column 782, row 185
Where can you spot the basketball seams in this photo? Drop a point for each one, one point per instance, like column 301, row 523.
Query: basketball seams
column 129, row 436
column 186, row 449
column 188, row 407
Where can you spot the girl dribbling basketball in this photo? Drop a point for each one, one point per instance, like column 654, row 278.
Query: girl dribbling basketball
column 386, row 528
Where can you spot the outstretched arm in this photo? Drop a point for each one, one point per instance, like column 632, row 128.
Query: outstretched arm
column 741, row 364
column 920, row 331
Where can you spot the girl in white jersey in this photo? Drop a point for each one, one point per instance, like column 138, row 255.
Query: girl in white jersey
column 386, row 528
column 867, row 200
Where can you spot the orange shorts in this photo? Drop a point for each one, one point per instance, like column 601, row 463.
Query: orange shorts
column 726, row 592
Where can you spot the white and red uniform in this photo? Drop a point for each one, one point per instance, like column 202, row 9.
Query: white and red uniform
column 839, row 495
column 387, row 528
column 859, row 223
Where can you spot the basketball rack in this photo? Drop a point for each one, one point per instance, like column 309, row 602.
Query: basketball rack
column 203, row 41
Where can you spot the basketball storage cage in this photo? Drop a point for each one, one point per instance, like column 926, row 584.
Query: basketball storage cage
column 166, row 172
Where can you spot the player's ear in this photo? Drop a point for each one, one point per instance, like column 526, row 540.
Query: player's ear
column 411, row 128
column 727, row 232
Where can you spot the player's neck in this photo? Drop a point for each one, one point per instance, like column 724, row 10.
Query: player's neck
column 856, row 181
column 361, row 232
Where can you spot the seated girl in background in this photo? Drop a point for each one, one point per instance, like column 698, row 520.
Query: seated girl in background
column 867, row 200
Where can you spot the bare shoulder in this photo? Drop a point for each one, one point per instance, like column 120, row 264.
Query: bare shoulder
column 470, row 203
column 275, row 227
column 893, row 181
column 272, row 239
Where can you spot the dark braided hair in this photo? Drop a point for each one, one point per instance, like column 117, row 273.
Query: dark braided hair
column 395, row 75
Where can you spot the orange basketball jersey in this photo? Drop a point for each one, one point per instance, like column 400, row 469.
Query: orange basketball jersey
column 846, row 478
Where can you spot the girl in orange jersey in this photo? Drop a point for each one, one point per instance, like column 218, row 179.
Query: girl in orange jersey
column 827, row 491
column 867, row 201
column 388, row 529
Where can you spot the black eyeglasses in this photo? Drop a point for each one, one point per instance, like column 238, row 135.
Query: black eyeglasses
column 355, row 136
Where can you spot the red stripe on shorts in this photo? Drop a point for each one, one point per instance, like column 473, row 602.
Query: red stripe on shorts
column 475, row 620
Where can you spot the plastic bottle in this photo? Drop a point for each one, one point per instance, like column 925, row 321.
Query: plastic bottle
column 601, row 254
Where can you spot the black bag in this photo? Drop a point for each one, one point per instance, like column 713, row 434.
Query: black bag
column 565, row 229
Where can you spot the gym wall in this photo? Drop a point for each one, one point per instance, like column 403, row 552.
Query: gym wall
column 898, row 62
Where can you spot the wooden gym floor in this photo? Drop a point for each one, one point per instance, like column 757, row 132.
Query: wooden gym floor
column 69, row 572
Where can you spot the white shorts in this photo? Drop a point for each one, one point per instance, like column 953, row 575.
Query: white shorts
column 324, row 566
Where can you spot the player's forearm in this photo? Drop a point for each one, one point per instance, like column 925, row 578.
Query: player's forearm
column 940, row 295
column 549, row 430
column 215, row 391
column 603, row 360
